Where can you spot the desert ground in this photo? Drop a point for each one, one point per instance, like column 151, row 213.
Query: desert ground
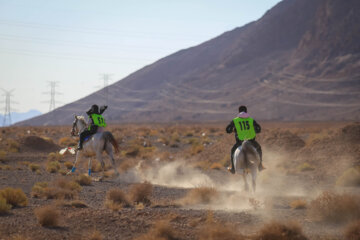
column 173, row 184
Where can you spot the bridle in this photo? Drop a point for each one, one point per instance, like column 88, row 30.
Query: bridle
column 75, row 130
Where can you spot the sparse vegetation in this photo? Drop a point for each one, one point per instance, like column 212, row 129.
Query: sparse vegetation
column 218, row 231
column 200, row 195
column 162, row 230
column 13, row 146
column 116, row 200
column 332, row 207
column 3, row 155
column 141, row 193
column 68, row 165
column 54, row 157
column 14, row 196
column 281, row 231
column 95, row 235
column 53, row 166
column 306, row 167
column 60, row 189
column 67, row 141
column 352, row 231
column 34, row 167
column 298, row 204
column 4, row 207
column 47, row 216
column 351, row 177
column 83, row 180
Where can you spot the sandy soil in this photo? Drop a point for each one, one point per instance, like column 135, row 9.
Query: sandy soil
column 174, row 168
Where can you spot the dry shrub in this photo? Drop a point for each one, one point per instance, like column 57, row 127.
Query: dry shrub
column 332, row 207
column 305, row 167
column 13, row 145
column 4, row 207
column 73, row 204
column 281, row 231
column 67, row 141
column 47, row 216
column 96, row 166
column 14, row 197
column 68, row 165
column 95, row 235
column 216, row 166
column 65, row 183
column 200, row 195
column 19, row 237
column 53, row 166
column 298, row 204
column 141, row 193
column 83, row 180
column 196, row 149
column 217, row 231
column 162, row 230
column 54, row 156
column 351, row 177
column 34, row 167
column 60, row 189
column 5, row 167
column 2, row 155
column 352, row 231
column 116, row 199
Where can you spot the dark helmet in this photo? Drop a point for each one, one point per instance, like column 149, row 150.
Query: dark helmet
column 242, row 109
column 94, row 109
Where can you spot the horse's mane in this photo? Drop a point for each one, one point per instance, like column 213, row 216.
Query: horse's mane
column 82, row 119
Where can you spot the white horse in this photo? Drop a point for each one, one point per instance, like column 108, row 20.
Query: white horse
column 246, row 159
column 97, row 143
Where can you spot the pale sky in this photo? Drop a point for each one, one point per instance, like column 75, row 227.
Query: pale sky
column 74, row 41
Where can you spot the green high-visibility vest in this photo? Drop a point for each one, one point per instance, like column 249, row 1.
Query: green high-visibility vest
column 98, row 120
column 244, row 128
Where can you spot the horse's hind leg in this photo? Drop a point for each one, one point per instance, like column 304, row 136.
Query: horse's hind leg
column 99, row 158
column 111, row 155
column 89, row 166
column 254, row 175
column 245, row 181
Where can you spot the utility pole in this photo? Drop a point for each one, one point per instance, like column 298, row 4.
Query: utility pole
column 7, row 113
column 106, row 77
column 53, row 93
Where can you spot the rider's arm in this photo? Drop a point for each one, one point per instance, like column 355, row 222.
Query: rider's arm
column 257, row 127
column 230, row 127
column 102, row 109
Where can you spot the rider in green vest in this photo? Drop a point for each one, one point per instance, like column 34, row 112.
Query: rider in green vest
column 95, row 120
column 245, row 128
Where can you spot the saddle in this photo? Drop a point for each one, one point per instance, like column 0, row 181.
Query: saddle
column 99, row 130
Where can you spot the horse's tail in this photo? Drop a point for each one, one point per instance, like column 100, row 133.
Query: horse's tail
column 109, row 137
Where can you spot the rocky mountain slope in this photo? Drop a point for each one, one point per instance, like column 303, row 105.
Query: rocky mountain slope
column 300, row 61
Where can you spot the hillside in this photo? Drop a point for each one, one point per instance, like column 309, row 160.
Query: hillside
column 300, row 61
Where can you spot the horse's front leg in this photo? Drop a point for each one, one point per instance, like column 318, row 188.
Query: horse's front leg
column 77, row 157
column 99, row 158
column 89, row 167
column 245, row 180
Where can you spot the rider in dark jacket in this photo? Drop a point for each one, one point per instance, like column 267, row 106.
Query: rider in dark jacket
column 232, row 128
column 95, row 121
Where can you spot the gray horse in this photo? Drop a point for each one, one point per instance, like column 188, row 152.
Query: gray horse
column 97, row 143
column 247, row 159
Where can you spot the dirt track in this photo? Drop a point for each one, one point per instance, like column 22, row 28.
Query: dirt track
column 283, row 182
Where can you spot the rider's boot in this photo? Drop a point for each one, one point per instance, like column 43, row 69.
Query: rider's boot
column 261, row 166
column 232, row 169
column 80, row 147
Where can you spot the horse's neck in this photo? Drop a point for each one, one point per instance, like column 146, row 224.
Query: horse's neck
column 81, row 126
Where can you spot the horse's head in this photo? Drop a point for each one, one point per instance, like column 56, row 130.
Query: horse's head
column 78, row 125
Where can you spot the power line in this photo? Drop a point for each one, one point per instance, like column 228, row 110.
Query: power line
column 7, row 112
column 106, row 77
column 53, row 93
